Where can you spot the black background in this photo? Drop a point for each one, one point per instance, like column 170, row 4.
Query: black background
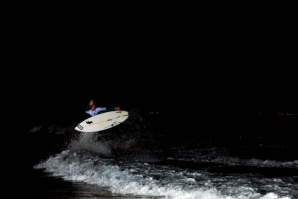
column 176, row 60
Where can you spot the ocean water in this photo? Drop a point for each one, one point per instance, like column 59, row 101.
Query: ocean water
column 142, row 158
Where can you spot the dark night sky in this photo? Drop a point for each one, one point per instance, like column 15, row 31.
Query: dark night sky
column 175, row 62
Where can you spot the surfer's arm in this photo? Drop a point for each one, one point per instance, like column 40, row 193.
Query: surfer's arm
column 99, row 110
column 89, row 112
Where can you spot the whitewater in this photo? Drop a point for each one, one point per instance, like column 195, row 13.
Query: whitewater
column 125, row 169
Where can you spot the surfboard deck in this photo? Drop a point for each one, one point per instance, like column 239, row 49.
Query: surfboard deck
column 102, row 121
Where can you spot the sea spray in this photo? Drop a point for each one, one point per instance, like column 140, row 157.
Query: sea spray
column 89, row 141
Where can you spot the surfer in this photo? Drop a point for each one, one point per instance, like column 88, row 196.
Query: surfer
column 94, row 110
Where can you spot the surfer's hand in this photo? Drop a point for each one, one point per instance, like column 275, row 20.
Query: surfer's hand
column 117, row 108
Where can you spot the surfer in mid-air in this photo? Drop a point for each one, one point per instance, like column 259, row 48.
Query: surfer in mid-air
column 94, row 110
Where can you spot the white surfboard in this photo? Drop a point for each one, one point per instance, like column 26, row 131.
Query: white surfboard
column 102, row 121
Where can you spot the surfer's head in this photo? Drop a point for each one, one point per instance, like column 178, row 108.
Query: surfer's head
column 92, row 104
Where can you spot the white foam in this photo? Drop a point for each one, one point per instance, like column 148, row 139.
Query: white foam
column 139, row 175
column 146, row 179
